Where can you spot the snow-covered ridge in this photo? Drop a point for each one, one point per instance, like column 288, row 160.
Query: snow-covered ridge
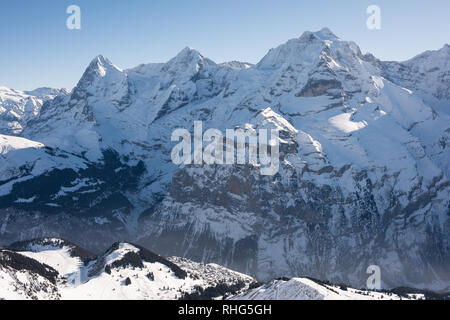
column 19, row 107
column 51, row 271
column 11, row 143
column 309, row 289
column 52, row 268
column 427, row 73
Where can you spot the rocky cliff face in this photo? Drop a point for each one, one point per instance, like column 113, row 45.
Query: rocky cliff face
column 363, row 173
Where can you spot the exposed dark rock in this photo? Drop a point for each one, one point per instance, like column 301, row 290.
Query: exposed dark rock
column 20, row 262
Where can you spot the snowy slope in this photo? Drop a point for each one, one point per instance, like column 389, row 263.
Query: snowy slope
column 363, row 177
column 428, row 76
column 54, row 269
column 427, row 73
column 23, row 159
column 25, row 278
column 124, row 271
column 11, row 143
column 307, row 289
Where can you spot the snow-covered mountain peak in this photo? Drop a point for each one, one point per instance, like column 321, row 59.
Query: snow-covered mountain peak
column 427, row 73
column 187, row 63
column 236, row 65
column 6, row 91
column 309, row 50
column 100, row 67
column 123, row 253
column 102, row 64
column 19, row 107
column 446, row 48
column 44, row 93
column 187, row 57
column 187, row 54
column 47, row 92
column 432, row 60
column 187, row 51
column 101, row 79
column 324, row 34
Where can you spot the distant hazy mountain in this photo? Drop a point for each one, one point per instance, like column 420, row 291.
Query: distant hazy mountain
column 17, row 107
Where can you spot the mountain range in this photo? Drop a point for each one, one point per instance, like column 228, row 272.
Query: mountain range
column 364, row 163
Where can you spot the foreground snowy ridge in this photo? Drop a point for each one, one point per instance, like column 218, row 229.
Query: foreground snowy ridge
column 50, row 269
column 310, row 289
column 57, row 269
column 364, row 163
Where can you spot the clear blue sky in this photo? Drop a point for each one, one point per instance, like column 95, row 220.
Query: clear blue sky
column 38, row 50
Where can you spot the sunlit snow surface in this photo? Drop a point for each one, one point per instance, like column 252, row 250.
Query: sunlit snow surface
column 76, row 280
column 306, row 289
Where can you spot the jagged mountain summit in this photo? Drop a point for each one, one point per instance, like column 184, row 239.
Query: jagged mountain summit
column 363, row 179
